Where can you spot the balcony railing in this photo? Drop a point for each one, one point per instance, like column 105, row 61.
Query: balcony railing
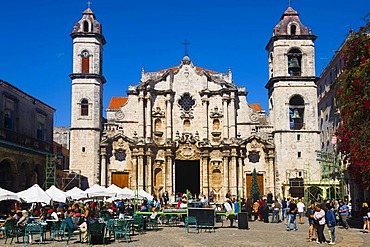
column 25, row 141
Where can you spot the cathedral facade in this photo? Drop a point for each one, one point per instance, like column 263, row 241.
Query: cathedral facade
column 192, row 128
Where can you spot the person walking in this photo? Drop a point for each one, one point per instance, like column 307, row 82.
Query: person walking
column 319, row 216
column 311, row 221
column 292, row 212
column 330, row 222
column 343, row 212
column 276, row 211
column 300, row 207
column 255, row 210
column 365, row 217
column 284, row 206
column 265, row 211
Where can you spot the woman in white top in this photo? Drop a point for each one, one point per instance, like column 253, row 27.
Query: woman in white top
column 319, row 216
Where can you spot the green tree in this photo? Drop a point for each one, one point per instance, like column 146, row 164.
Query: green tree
column 255, row 188
column 353, row 98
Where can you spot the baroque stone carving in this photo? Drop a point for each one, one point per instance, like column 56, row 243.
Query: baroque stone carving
column 158, row 112
column 187, row 137
column 254, row 117
column 216, row 113
column 188, row 151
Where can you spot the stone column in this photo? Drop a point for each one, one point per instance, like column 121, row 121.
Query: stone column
column 140, row 170
column 149, row 172
column 141, row 115
column 134, row 175
column 233, row 173
column 226, row 172
column 205, row 118
column 169, row 171
column 205, row 174
column 271, row 176
column 225, row 121
column 232, row 118
column 276, row 185
column 241, row 185
column 168, row 117
column 103, row 174
column 148, row 118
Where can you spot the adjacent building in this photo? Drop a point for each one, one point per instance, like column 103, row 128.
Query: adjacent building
column 26, row 138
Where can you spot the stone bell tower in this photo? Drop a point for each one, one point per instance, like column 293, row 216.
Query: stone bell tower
column 87, row 97
column 293, row 104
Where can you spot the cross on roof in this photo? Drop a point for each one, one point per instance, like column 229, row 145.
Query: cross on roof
column 186, row 43
column 89, row 3
column 289, row 1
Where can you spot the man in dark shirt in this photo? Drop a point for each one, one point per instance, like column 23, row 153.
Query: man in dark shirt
column 292, row 211
column 82, row 227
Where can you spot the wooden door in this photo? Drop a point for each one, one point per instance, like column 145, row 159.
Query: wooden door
column 120, row 179
column 249, row 184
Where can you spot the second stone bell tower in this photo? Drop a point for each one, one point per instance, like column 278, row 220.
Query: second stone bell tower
column 87, row 97
column 293, row 104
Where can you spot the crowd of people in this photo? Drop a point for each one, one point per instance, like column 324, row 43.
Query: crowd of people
column 329, row 214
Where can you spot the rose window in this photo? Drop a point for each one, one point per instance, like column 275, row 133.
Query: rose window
column 186, row 102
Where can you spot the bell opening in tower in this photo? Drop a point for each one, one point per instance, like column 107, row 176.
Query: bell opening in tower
column 294, row 62
column 187, row 176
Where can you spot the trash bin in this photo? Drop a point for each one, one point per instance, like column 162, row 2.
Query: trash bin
column 243, row 220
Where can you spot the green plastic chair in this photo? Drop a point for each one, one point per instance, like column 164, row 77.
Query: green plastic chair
column 72, row 232
column 12, row 231
column 31, row 230
column 110, row 227
column 94, row 230
column 153, row 223
column 191, row 222
column 58, row 229
column 122, row 228
column 137, row 224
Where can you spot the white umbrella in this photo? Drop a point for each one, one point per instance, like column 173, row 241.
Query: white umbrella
column 143, row 194
column 56, row 194
column 8, row 195
column 98, row 191
column 76, row 193
column 34, row 194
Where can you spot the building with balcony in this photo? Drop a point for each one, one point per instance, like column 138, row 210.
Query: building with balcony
column 26, row 138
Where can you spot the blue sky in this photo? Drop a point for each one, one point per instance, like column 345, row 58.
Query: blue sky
column 36, row 49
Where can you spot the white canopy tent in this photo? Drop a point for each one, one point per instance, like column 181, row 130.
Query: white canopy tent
column 143, row 194
column 8, row 195
column 76, row 193
column 121, row 194
column 126, row 194
column 56, row 194
column 98, row 191
column 34, row 194
column 114, row 189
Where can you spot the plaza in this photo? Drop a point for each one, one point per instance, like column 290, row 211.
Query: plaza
column 259, row 234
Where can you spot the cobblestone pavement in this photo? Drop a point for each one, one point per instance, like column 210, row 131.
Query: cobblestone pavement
column 259, row 234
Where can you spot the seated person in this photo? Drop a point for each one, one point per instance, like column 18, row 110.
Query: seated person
column 52, row 215
column 228, row 206
column 154, row 214
column 9, row 218
column 73, row 227
column 144, row 207
column 24, row 219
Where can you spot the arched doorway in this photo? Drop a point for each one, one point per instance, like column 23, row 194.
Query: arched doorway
column 6, row 175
